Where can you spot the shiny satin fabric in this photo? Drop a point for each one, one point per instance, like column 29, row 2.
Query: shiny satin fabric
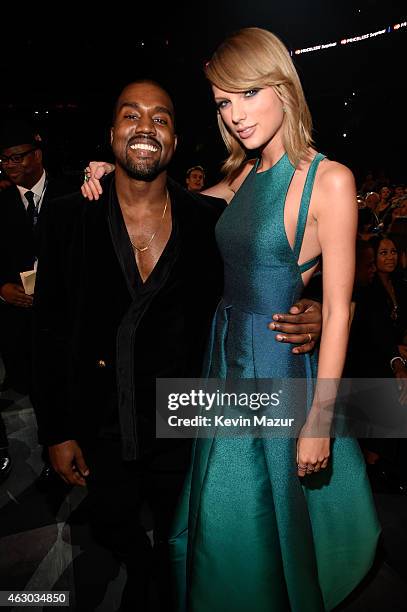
column 249, row 534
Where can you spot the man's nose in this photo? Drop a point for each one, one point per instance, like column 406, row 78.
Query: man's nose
column 146, row 125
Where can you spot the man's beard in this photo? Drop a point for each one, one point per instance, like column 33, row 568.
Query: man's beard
column 142, row 170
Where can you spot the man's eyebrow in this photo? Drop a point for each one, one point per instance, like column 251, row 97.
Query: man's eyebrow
column 164, row 109
column 157, row 109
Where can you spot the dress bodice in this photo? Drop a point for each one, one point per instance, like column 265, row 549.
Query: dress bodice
column 253, row 242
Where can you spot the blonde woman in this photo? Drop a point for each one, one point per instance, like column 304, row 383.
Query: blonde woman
column 275, row 524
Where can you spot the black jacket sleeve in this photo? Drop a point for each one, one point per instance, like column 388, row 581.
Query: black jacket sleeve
column 52, row 320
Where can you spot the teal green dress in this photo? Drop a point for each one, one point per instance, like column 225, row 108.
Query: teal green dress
column 249, row 534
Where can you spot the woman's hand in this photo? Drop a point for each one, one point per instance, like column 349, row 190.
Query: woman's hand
column 91, row 187
column 312, row 454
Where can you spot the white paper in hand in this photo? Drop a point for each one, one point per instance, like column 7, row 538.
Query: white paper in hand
column 28, row 280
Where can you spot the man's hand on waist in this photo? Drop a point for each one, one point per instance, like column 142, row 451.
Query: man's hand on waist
column 301, row 326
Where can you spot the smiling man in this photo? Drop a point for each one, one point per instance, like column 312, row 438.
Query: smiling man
column 126, row 289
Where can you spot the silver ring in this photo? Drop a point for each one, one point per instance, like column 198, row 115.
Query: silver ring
column 310, row 337
column 86, row 176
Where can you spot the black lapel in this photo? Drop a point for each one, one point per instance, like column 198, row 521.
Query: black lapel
column 119, row 238
column 102, row 273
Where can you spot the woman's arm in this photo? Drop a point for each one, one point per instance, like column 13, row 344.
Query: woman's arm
column 225, row 189
column 91, row 188
column 336, row 214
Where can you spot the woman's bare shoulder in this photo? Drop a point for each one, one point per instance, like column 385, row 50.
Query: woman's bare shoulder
column 227, row 188
column 334, row 190
column 334, row 176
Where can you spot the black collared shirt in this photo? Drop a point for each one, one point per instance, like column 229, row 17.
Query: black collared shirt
column 163, row 332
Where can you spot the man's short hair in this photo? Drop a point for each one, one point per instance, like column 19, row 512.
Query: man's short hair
column 141, row 81
column 195, row 168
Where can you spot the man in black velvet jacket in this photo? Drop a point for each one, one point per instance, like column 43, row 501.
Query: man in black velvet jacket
column 126, row 289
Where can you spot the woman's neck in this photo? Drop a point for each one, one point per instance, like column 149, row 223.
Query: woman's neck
column 272, row 152
column 388, row 285
column 385, row 278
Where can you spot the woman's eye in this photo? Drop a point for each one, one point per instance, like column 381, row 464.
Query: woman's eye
column 250, row 93
column 221, row 104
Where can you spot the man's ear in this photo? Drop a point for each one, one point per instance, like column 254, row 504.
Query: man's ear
column 38, row 154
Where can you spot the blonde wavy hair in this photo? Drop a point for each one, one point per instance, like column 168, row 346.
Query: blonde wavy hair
column 255, row 58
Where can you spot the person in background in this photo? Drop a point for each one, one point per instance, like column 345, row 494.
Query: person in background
column 22, row 208
column 195, row 178
column 376, row 351
column 372, row 200
column 367, row 221
column 398, row 191
column 384, row 204
column 399, row 208
column 398, row 231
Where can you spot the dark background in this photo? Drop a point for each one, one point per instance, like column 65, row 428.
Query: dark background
column 64, row 67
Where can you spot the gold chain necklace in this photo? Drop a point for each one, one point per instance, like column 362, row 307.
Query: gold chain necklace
column 145, row 248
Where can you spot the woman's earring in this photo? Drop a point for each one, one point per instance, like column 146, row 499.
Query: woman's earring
column 284, row 109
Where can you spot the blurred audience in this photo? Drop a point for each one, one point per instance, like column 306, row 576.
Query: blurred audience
column 377, row 350
column 372, row 200
column 367, row 222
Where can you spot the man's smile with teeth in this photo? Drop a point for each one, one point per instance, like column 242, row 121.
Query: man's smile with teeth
column 144, row 147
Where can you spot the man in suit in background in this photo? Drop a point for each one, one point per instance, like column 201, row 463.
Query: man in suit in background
column 22, row 206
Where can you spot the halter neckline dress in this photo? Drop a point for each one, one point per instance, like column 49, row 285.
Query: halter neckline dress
column 249, row 534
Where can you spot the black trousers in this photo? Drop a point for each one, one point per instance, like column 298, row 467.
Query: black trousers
column 117, row 492
column 16, row 345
